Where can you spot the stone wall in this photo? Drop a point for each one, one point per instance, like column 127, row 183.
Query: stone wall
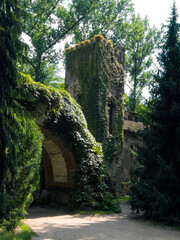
column 95, row 71
column 95, row 78
column 131, row 140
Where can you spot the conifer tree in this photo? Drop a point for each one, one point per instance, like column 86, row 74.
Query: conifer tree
column 9, row 44
column 19, row 168
column 155, row 182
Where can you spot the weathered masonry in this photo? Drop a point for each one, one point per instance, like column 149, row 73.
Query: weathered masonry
column 95, row 72
column 72, row 159
column 131, row 130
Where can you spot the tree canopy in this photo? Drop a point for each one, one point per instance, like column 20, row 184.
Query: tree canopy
column 141, row 42
column 117, row 21
column 46, row 23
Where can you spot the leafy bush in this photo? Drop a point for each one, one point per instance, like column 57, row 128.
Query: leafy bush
column 24, row 233
column 18, row 189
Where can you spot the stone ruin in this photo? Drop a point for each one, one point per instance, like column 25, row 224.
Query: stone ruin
column 95, row 75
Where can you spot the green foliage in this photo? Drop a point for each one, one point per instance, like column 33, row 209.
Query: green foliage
column 12, row 123
column 105, row 19
column 116, row 20
column 46, row 23
column 96, row 72
column 155, row 183
column 9, row 47
column 18, row 189
column 143, row 109
column 141, row 41
column 24, row 233
column 65, row 118
column 123, row 199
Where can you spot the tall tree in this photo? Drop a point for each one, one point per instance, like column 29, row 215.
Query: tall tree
column 103, row 20
column 156, row 181
column 9, row 45
column 140, row 44
column 19, row 169
column 47, row 23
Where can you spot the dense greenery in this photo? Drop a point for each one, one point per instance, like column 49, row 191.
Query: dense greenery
column 155, row 183
column 18, row 188
column 64, row 117
column 9, row 47
column 24, row 233
column 98, row 71
column 20, row 140
column 117, row 21
column 141, row 41
column 47, row 23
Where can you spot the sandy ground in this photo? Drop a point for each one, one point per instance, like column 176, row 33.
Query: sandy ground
column 53, row 224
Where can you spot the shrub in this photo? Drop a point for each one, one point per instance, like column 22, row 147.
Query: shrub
column 18, row 190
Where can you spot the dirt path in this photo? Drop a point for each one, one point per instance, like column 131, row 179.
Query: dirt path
column 52, row 224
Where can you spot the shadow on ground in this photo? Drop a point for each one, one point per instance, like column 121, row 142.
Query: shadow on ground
column 57, row 224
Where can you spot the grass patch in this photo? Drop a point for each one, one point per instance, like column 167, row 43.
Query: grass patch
column 22, row 233
column 123, row 199
column 96, row 212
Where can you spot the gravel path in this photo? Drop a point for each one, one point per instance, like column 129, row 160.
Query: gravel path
column 53, row 224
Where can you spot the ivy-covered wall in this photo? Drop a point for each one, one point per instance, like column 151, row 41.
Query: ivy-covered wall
column 95, row 78
column 57, row 112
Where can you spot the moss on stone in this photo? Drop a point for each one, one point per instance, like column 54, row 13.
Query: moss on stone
column 65, row 118
column 97, row 69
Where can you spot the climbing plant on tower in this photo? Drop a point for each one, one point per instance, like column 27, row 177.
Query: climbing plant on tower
column 155, row 183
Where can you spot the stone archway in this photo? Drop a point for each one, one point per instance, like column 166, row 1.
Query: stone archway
column 67, row 136
column 58, row 162
column 59, row 169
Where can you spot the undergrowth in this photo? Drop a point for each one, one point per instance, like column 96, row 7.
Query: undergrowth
column 123, row 199
column 23, row 232
column 96, row 212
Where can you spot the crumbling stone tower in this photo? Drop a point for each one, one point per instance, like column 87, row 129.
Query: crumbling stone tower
column 95, row 78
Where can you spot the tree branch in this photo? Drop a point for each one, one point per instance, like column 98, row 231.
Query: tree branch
column 27, row 60
column 47, row 16
column 71, row 27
